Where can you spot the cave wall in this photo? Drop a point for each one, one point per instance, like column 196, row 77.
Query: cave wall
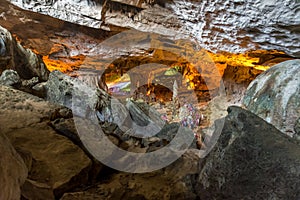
column 219, row 25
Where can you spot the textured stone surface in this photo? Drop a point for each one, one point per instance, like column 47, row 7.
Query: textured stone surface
column 227, row 25
column 82, row 95
column 24, row 61
column 236, row 25
column 274, row 96
column 57, row 165
column 251, row 160
column 13, row 171
column 9, row 78
column 173, row 182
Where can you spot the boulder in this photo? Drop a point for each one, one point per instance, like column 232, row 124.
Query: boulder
column 71, row 92
column 13, row 171
column 251, row 160
column 57, row 165
column 10, row 78
column 274, row 96
column 13, row 56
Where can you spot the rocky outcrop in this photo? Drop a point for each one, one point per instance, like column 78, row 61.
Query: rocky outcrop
column 251, row 160
column 55, row 164
column 274, row 96
column 13, row 171
column 16, row 57
column 232, row 26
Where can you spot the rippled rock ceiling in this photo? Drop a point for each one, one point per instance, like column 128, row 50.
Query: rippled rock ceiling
column 219, row 25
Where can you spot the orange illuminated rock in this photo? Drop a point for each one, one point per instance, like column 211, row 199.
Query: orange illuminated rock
column 64, row 65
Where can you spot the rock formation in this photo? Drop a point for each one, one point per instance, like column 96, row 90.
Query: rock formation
column 274, row 96
column 231, row 26
column 55, row 164
column 174, row 182
column 251, row 160
column 24, row 61
column 13, row 171
column 10, row 78
column 44, row 154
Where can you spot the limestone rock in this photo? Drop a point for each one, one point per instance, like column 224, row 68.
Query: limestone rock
column 173, row 182
column 59, row 89
column 13, row 171
column 30, row 83
column 57, row 165
column 274, row 96
column 39, row 90
column 251, row 160
column 235, row 25
column 64, row 90
column 10, row 78
column 24, row 61
column 143, row 119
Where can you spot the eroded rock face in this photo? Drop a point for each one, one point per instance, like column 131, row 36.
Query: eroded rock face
column 248, row 156
column 274, row 96
column 13, row 171
column 24, row 61
column 55, row 164
column 227, row 25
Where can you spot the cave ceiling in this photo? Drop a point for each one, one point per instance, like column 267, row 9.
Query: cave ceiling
column 219, row 25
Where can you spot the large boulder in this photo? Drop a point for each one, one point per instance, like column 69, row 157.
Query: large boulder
column 56, row 165
column 251, row 160
column 16, row 57
column 274, row 96
column 13, row 171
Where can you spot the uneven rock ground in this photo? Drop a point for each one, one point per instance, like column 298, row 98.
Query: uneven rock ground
column 251, row 159
column 172, row 182
column 56, row 165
